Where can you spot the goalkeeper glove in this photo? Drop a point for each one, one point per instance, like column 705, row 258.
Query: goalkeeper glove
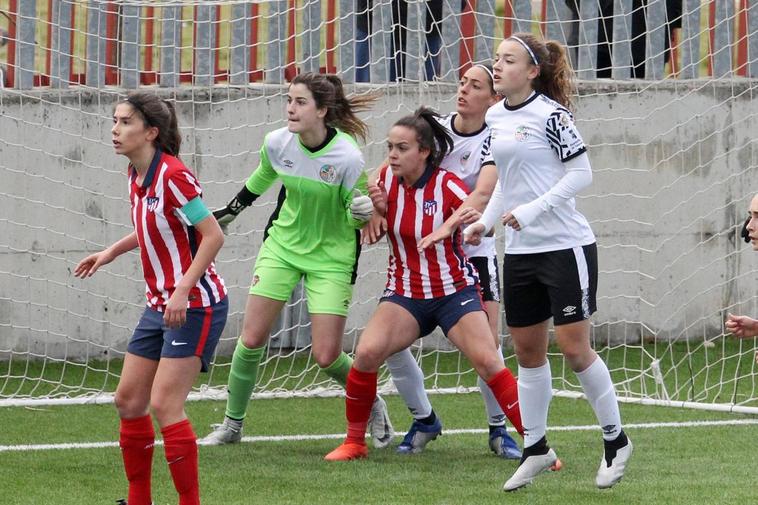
column 744, row 233
column 227, row 214
column 361, row 208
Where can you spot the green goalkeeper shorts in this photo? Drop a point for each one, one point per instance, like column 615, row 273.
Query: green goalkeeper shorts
column 327, row 292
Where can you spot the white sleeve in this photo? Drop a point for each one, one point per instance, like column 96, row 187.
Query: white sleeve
column 578, row 176
column 494, row 209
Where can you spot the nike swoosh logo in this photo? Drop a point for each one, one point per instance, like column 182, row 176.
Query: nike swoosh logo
column 511, row 405
column 469, row 300
column 174, row 342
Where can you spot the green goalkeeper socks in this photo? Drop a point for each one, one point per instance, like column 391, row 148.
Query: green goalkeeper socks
column 242, row 379
column 339, row 369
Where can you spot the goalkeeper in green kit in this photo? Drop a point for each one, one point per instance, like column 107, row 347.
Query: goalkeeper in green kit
column 313, row 235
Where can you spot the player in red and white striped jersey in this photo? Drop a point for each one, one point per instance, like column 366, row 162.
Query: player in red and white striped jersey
column 426, row 288
column 178, row 238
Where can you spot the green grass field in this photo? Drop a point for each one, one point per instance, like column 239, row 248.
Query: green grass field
column 672, row 465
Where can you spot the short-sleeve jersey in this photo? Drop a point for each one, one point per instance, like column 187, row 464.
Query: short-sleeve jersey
column 167, row 240
column 529, row 144
column 312, row 228
column 412, row 213
column 470, row 151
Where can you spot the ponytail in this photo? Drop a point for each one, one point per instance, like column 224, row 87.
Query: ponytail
column 160, row 114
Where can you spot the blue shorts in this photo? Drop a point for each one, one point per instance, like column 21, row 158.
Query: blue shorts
column 198, row 337
column 444, row 312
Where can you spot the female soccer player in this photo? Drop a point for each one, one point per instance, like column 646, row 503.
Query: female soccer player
column 187, row 306
column 313, row 235
column 424, row 289
column 550, row 265
column 471, row 137
column 746, row 326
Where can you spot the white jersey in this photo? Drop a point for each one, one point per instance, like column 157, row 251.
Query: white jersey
column 530, row 144
column 465, row 160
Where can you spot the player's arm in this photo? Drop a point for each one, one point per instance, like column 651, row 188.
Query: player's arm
column 257, row 184
column 89, row 265
column 458, row 195
column 197, row 214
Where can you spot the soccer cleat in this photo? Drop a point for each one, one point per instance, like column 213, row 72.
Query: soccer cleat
column 348, row 451
column 503, row 445
column 418, row 436
column 531, row 467
column 612, row 465
column 379, row 425
column 228, row 432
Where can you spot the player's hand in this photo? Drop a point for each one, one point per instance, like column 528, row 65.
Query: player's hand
column 361, row 207
column 510, row 220
column 435, row 237
column 89, row 265
column 469, row 215
column 378, row 195
column 175, row 314
column 473, row 234
column 741, row 326
column 374, row 229
column 224, row 216
column 744, row 233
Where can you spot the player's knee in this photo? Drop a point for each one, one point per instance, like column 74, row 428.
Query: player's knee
column 368, row 359
column 129, row 405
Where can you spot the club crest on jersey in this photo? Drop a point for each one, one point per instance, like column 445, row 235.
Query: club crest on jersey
column 328, row 173
column 430, row 207
column 522, row 134
column 152, row 203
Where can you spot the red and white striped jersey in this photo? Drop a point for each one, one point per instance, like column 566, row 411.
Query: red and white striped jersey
column 412, row 213
column 167, row 240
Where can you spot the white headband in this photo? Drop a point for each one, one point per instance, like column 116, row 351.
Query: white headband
column 528, row 49
column 489, row 72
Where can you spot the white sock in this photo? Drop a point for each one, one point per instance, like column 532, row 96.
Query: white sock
column 535, row 390
column 597, row 385
column 495, row 414
column 409, row 381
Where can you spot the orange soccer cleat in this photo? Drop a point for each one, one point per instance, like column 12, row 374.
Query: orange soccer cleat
column 348, row 451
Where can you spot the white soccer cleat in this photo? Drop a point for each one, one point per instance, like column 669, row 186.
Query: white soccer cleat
column 529, row 469
column 610, row 474
column 379, row 424
column 228, row 432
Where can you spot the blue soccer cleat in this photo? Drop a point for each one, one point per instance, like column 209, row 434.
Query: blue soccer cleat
column 503, row 445
column 418, row 436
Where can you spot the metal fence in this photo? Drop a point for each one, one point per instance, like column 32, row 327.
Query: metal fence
column 59, row 43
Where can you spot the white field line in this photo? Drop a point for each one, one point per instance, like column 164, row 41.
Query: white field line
column 297, row 438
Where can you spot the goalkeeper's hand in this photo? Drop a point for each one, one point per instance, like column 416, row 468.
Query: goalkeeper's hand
column 361, row 208
column 227, row 214
column 744, row 233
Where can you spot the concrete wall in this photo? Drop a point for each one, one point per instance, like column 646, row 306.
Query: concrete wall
column 674, row 166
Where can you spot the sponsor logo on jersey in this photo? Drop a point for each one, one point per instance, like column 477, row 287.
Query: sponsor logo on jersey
column 564, row 119
column 430, row 207
column 328, row 173
column 152, row 203
column 287, row 163
column 522, row 134
column 465, row 156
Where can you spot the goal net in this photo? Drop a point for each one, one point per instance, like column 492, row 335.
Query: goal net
column 665, row 107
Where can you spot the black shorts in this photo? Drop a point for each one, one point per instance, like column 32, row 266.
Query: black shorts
column 558, row 284
column 489, row 278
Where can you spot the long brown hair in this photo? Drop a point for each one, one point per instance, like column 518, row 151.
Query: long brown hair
column 556, row 77
column 161, row 114
column 341, row 111
column 430, row 134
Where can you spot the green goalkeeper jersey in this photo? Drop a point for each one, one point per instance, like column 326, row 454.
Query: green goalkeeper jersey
column 312, row 227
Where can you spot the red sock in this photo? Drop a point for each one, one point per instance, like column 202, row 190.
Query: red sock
column 180, row 444
column 360, row 392
column 136, row 440
column 504, row 387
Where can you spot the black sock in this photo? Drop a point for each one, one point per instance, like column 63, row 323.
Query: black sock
column 612, row 446
column 537, row 449
column 429, row 420
column 494, row 428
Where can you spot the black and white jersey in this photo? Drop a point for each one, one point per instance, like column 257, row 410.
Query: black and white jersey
column 465, row 160
column 530, row 143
